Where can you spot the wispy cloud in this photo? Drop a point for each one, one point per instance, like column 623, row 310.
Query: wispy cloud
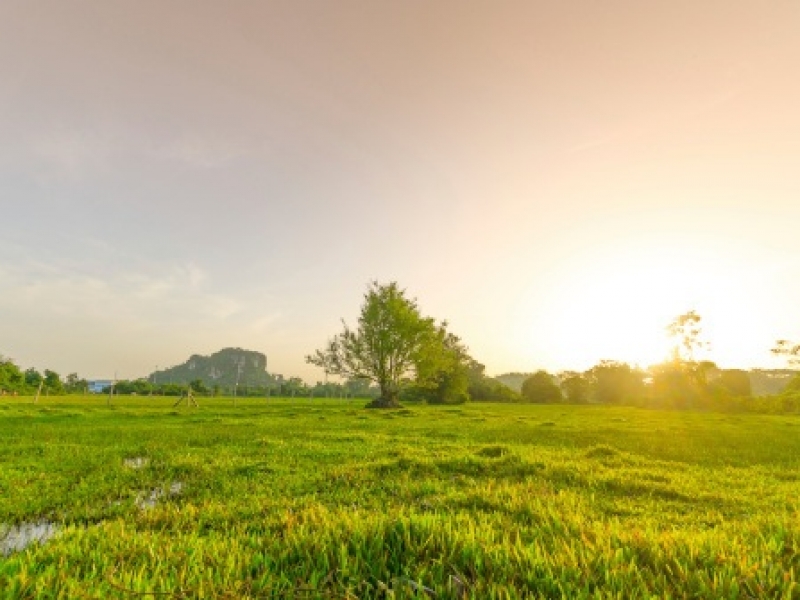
column 138, row 297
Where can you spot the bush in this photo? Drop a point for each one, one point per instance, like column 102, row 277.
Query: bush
column 541, row 388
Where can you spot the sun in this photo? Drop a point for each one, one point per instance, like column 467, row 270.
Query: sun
column 623, row 318
column 616, row 305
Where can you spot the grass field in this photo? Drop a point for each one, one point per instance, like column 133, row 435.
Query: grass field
column 323, row 499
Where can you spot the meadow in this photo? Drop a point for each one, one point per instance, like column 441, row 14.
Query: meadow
column 324, row 499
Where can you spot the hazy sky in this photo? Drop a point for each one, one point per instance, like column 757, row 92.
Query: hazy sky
column 557, row 179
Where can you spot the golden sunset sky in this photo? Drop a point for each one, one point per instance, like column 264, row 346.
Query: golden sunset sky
column 558, row 180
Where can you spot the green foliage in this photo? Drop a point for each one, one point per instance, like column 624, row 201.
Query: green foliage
column 616, row 383
column 793, row 387
column 294, row 386
column 139, row 387
column 735, row 382
column 359, row 388
column 444, row 370
column 393, row 344
column 686, row 384
column 677, row 384
column 488, row 389
column 198, row 386
column 75, row 384
column 317, row 499
column 576, row 387
column 12, row 379
column 541, row 388
column 52, row 382
column 32, row 378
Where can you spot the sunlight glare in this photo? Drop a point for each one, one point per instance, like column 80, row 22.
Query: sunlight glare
column 617, row 305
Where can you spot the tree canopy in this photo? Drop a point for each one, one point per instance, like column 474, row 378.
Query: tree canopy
column 540, row 387
column 393, row 345
column 789, row 350
column 686, row 330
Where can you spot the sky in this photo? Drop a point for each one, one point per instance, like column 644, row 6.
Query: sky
column 557, row 180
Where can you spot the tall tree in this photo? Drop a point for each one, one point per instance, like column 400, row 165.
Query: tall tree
column 789, row 350
column 391, row 345
column 11, row 378
column 686, row 330
column 32, row 377
column 53, row 383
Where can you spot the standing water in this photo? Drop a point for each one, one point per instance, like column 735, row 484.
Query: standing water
column 19, row 537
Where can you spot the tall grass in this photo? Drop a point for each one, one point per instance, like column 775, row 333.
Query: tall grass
column 322, row 499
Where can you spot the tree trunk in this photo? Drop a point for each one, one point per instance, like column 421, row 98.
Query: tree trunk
column 388, row 399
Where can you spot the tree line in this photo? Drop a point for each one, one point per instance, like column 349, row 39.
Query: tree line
column 289, row 387
column 410, row 356
column 680, row 385
column 406, row 354
column 15, row 381
column 395, row 353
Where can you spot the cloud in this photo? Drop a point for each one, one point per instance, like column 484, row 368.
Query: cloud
column 50, row 289
column 37, row 295
column 58, row 317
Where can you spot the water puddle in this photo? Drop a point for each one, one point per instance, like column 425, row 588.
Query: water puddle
column 19, row 537
column 148, row 501
column 137, row 462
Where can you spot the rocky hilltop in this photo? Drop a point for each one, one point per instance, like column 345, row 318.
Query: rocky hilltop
column 225, row 369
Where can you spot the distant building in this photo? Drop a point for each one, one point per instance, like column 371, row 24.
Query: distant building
column 99, row 386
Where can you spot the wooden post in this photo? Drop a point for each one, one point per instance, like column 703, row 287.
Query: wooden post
column 190, row 401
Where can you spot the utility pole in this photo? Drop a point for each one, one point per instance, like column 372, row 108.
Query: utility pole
column 111, row 391
column 38, row 392
column 239, row 369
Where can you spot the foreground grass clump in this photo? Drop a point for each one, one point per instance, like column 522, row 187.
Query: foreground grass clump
column 322, row 499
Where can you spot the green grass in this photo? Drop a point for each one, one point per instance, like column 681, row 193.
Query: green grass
column 323, row 499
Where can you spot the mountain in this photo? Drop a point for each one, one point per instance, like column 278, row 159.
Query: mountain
column 225, row 369
column 766, row 382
